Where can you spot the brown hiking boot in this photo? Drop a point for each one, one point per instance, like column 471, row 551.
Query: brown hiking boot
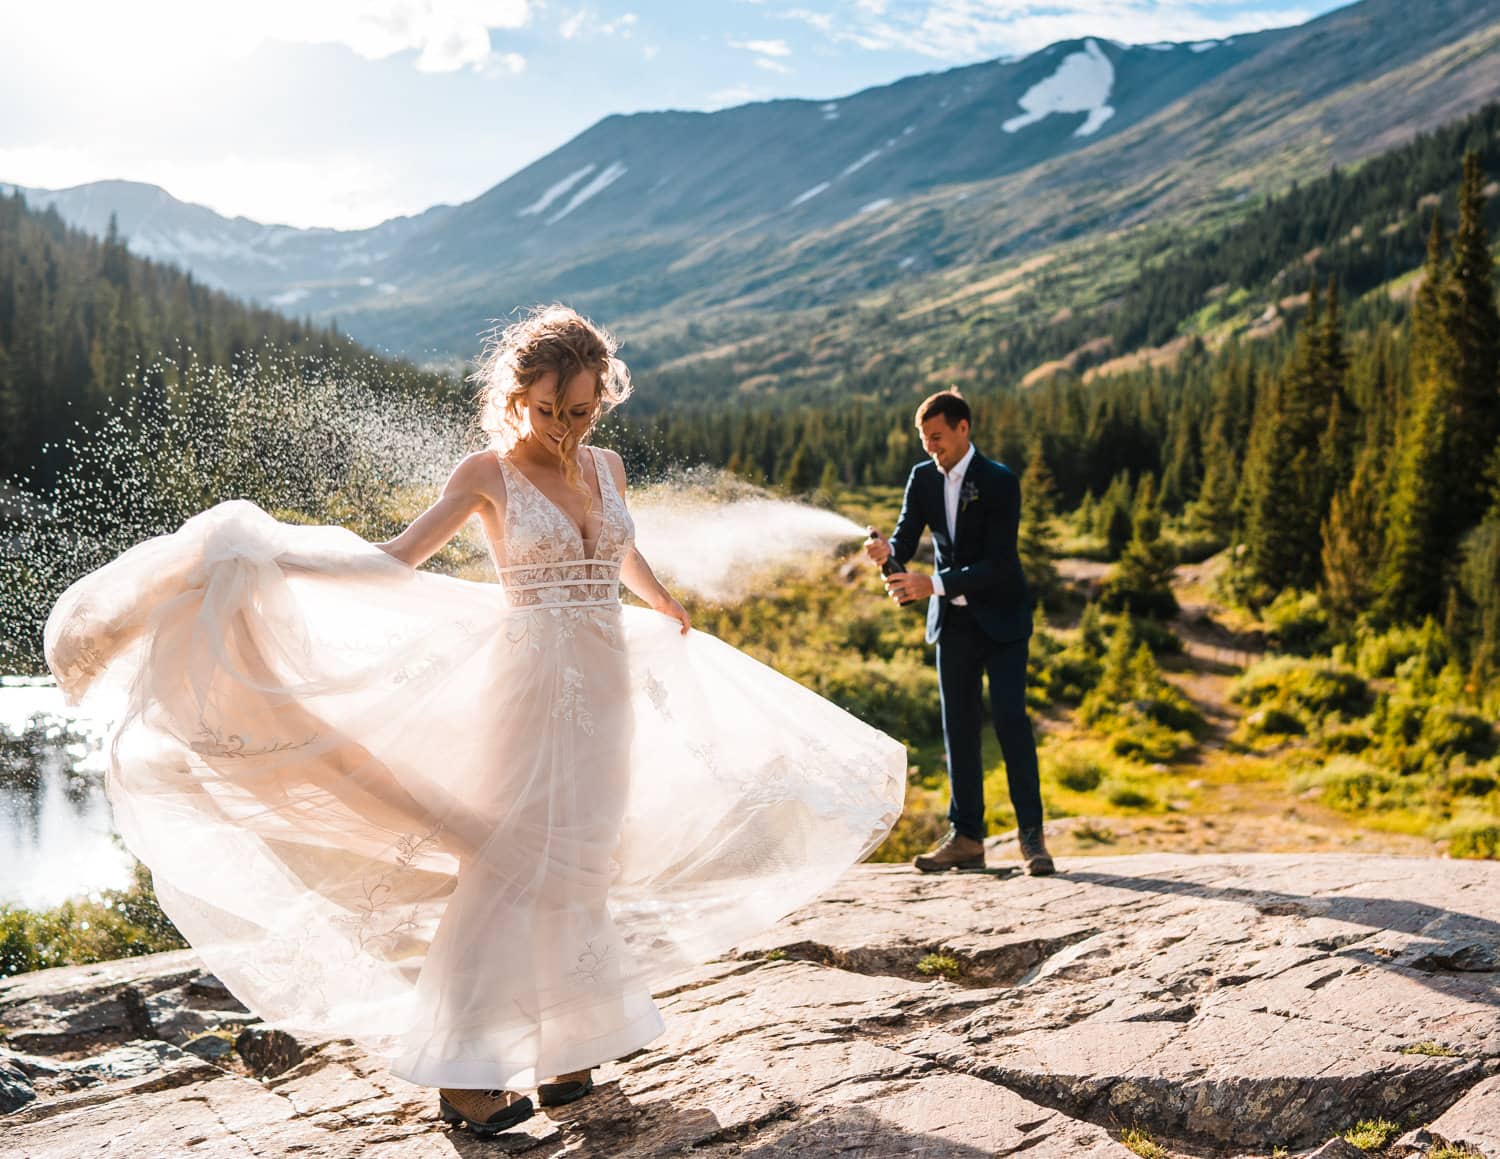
column 1034, row 850
column 565, row 1088
column 955, row 852
column 484, row 1112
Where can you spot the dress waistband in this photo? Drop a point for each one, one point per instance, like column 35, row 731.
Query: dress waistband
column 558, row 563
column 561, row 585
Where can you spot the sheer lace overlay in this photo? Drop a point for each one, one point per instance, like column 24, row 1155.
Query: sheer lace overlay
column 469, row 825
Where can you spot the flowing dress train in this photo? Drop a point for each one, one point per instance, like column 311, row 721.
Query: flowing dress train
column 468, row 825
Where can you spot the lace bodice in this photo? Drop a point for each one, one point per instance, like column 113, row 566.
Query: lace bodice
column 547, row 564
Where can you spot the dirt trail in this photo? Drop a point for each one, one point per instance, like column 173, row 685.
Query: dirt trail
column 1232, row 800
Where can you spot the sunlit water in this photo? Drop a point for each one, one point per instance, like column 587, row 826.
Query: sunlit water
column 306, row 443
column 56, row 840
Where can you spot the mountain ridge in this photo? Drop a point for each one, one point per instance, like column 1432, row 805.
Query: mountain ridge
column 789, row 203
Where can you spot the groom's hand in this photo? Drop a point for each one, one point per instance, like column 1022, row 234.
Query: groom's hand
column 906, row 586
column 877, row 548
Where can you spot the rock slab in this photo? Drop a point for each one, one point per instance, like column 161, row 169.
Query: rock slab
column 1221, row 1006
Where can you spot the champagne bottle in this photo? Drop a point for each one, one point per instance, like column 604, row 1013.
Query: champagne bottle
column 891, row 567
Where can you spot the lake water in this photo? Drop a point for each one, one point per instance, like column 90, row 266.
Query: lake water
column 56, row 836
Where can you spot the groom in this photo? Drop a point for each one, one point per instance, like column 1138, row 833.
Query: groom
column 980, row 620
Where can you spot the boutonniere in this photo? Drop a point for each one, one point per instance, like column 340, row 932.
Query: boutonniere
column 969, row 494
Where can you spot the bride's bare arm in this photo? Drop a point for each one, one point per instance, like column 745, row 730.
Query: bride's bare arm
column 467, row 490
column 635, row 572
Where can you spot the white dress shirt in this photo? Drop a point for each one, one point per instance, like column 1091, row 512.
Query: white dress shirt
column 953, row 482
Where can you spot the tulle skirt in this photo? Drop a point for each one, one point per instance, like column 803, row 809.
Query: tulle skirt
column 383, row 804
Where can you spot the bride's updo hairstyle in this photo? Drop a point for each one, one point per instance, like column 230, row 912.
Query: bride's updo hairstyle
column 546, row 338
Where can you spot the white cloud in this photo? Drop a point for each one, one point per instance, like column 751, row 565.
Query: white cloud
column 965, row 30
column 506, row 64
column 763, row 47
column 585, row 20
column 345, row 189
column 445, row 35
column 770, row 65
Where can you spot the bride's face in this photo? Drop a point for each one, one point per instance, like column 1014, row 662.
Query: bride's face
column 550, row 418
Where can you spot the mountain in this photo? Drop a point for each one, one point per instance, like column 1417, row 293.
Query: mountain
column 268, row 263
column 783, row 205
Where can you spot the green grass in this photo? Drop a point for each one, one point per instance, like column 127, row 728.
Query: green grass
column 1372, row 1134
column 940, row 965
column 1430, row 1049
column 1141, row 1142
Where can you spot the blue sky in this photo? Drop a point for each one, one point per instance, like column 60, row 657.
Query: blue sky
column 347, row 112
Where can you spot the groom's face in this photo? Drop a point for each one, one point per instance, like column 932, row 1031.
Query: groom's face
column 947, row 444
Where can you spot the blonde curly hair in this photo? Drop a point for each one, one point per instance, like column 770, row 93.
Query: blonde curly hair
column 545, row 339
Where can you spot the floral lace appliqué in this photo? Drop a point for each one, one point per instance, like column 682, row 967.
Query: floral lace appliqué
column 572, row 702
column 593, row 962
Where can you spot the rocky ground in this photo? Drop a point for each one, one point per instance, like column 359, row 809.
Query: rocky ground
column 1225, row 1005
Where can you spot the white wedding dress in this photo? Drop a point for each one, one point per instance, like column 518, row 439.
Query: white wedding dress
column 470, row 826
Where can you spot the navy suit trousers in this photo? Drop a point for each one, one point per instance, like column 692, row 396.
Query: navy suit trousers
column 965, row 655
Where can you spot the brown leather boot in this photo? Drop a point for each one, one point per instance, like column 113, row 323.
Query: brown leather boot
column 954, row 852
column 1034, row 850
column 485, row 1112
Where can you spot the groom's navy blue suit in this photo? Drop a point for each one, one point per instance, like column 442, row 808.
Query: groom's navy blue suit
column 990, row 633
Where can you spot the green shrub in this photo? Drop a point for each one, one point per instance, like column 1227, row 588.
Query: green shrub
column 1146, row 740
column 1124, row 795
column 1297, row 623
column 1310, row 690
column 1379, row 654
column 1469, row 781
column 1275, row 722
column 1158, row 637
column 1345, row 738
column 1354, row 786
column 1449, row 731
column 1134, row 707
column 1475, row 841
column 1076, row 771
column 118, row 924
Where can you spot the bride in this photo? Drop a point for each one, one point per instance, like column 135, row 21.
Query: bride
column 469, row 827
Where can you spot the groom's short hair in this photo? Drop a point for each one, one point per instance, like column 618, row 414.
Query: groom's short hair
column 948, row 403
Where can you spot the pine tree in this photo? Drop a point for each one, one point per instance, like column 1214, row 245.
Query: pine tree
column 1473, row 328
column 1038, row 506
column 802, row 471
column 1141, row 583
column 1112, row 516
column 1352, row 539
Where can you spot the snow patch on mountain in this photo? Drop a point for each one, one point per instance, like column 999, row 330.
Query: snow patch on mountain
column 542, row 203
column 1082, row 84
column 1205, row 45
column 808, row 194
column 597, row 185
column 878, row 204
column 861, row 163
column 831, row 111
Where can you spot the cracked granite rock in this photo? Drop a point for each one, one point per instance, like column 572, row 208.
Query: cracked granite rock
column 1228, row 1006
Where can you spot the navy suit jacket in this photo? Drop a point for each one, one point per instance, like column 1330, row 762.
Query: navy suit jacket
column 980, row 561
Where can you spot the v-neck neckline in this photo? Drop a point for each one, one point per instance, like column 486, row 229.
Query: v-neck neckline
column 583, row 543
